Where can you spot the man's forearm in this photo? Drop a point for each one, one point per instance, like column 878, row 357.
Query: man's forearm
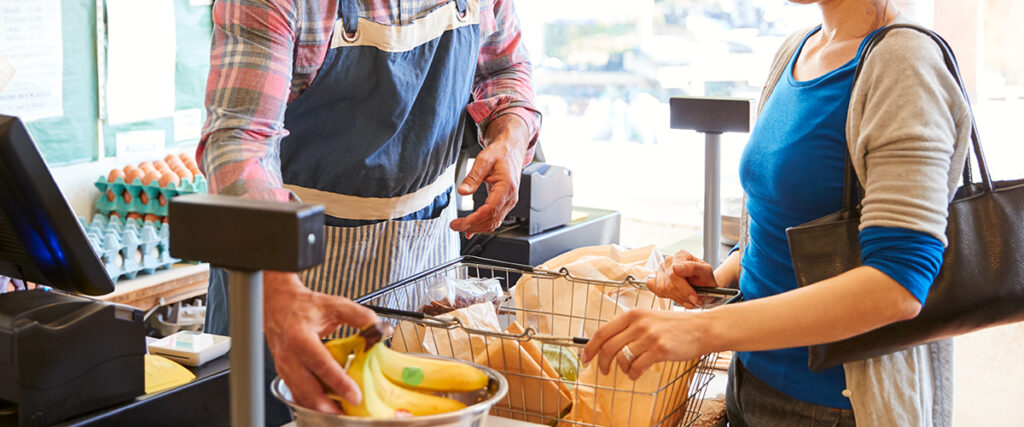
column 510, row 129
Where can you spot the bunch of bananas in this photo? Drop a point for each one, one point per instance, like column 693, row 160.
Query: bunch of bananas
column 397, row 385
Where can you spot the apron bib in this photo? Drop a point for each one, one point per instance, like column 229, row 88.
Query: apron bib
column 375, row 138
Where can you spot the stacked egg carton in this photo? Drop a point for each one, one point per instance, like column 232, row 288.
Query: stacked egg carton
column 127, row 247
column 143, row 190
column 130, row 230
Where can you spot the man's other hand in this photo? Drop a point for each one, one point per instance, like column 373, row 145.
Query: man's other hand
column 500, row 166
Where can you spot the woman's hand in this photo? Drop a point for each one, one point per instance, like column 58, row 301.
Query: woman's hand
column 652, row 337
column 678, row 275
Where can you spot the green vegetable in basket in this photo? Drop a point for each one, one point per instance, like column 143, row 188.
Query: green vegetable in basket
column 563, row 360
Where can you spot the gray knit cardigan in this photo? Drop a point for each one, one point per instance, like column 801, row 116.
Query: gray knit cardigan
column 908, row 132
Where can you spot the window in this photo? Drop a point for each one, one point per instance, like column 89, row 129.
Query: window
column 604, row 71
column 986, row 36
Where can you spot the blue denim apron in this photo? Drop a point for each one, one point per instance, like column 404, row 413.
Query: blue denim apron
column 375, row 139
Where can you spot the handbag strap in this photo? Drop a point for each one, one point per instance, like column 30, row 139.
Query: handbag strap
column 853, row 192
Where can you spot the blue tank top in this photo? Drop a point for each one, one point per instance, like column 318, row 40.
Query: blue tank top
column 792, row 172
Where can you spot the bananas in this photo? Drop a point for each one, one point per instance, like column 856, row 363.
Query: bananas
column 342, row 347
column 429, row 374
column 401, row 398
column 386, row 397
column 371, row 405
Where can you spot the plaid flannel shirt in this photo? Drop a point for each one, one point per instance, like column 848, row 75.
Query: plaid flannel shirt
column 267, row 52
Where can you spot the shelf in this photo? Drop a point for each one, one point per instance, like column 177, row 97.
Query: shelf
column 179, row 283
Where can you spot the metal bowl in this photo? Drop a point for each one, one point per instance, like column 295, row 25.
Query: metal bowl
column 478, row 404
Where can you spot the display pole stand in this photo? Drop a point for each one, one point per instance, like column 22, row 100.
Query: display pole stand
column 245, row 237
column 712, row 117
column 245, row 310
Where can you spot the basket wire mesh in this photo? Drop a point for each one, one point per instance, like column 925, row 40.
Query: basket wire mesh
column 537, row 395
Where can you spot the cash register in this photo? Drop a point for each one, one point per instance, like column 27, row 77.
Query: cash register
column 62, row 353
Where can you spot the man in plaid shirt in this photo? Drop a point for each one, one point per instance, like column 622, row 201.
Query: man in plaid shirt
column 359, row 105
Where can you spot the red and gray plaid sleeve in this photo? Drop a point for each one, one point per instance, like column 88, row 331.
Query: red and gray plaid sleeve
column 247, row 91
column 504, row 82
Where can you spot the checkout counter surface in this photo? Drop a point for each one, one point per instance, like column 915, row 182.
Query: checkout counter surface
column 203, row 401
column 492, row 421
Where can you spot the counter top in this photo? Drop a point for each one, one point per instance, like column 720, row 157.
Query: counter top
column 203, row 401
column 492, row 421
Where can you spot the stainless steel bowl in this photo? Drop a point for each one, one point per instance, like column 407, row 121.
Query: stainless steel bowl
column 478, row 404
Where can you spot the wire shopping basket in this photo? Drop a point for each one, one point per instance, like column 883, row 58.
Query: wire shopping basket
column 543, row 320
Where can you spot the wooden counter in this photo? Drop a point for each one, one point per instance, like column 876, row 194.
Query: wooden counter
column 179, row 283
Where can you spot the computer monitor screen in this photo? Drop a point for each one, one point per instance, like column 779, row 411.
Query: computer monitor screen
column 41, row 240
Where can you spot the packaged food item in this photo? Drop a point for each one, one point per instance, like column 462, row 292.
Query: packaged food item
column 564, row 360
column 443, row 294
column 457, row 342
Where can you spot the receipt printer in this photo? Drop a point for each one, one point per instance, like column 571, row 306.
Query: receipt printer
column 63, row 355
column 545, row 198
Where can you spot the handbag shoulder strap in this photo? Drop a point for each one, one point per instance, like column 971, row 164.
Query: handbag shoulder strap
column 853, row 192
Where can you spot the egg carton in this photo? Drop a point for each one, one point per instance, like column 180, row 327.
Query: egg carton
column 128, row 247
column 142, row 198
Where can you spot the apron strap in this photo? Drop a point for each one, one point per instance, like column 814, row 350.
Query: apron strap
column 350, row 15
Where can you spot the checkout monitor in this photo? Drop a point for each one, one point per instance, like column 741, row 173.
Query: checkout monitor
column 41, row 240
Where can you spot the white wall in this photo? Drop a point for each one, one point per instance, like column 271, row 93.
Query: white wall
column 989, row 378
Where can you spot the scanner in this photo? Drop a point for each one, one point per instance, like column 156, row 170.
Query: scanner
column 62, row 354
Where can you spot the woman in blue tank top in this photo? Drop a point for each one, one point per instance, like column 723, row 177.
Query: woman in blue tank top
column 792, row 172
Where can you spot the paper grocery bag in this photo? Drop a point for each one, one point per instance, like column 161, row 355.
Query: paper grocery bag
column 408, row 337
column 639, row 262
column 538, row 356
column 567, row 307
column 531, row 387
column 657, row 397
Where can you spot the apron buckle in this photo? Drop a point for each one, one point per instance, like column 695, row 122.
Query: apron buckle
column 349, row 38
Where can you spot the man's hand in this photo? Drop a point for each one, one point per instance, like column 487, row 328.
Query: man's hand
column 500, row 166
column 294, row 320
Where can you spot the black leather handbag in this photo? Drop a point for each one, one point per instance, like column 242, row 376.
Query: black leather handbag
column 981, row 281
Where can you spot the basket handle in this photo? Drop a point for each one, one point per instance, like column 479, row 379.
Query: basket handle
column 396, row 312
column 445, row 322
